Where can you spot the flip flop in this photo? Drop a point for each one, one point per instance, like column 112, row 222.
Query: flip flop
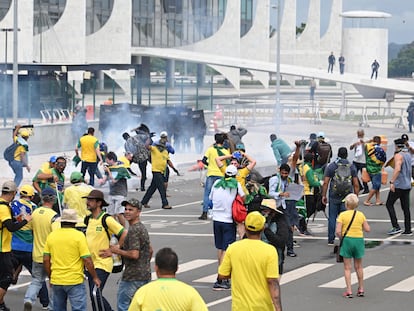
column 379, row 203
column 368, row 204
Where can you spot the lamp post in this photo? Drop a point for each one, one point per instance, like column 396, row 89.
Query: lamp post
column 6, row 31
column 278, row 113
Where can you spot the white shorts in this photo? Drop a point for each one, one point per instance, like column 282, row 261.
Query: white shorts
column 115, row 206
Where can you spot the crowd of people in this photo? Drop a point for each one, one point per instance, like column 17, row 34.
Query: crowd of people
column 35, row 224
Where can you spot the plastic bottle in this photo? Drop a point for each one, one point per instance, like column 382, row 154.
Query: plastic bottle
column 210, row 213
column 117, row 260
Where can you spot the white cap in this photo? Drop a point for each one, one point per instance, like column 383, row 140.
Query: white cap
column 163, row 134
column 231, row 170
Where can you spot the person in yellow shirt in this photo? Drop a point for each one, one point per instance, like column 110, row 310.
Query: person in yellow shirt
column 74, row 194
column 252, row 266
column 65, row 260
column 353, row 245
column 43, row 222
column 167, row 293
column 90, row 153
column 100, row 228
column 213, row 171
column 7, row 226
column 21, row 159
column 44, row 175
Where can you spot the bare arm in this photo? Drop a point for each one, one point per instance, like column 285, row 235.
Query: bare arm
column 46, row 265
column 325, row 189
column 338, row 230
column 220, row 159
column 397, row 169
column 252, row 162
column 366, row 226
column 356, row 185
column 91, row 269
column 132, row 253
column 274, row 290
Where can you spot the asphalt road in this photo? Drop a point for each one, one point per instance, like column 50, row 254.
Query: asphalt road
column 311, row 281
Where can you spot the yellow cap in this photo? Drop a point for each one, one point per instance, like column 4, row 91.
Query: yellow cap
column 27, row 190
column 24, row 133
column 254, row 221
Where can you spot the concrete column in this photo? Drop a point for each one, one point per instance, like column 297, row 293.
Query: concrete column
column 169, row 73
column 201, row 74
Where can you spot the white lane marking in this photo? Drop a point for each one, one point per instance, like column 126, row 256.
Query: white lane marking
column 303, row 271
column 406, row 285
column 207, row 279
column 153, row 210
column 191, row 265
column 369, row 272
column 216, row 302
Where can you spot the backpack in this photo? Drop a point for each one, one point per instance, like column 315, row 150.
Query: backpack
column 324, row 153
column 116, row 268
column 8, row 153
column 342, row 180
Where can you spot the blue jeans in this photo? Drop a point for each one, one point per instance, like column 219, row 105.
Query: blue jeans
column 103, row 276
column 91, row 167
column 126, row 292
column 293, row 220
column 207, row 189
column 17, row 167
column 38, row 282
column 334, row 210
column 75, row 293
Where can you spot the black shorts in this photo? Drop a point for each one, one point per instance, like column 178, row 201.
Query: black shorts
column 6, row 270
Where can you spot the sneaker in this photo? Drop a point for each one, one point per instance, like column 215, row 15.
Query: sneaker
column 296, row 244
column 27, row 306
column 331, row 243
column 45, row 307
column 291, row 254
column 4, row 308
column 166, row 207
column 394, row 231
column 407, row 233
column 146, row 206
column 224, row 285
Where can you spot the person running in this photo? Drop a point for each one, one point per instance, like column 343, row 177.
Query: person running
column 353, row 245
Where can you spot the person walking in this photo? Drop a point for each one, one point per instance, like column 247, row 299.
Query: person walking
column 400, row 187
column 7, row 226
column 99, row 229
column 352, row 224
column 213, row 171
column 65, row 260
column 341, row 61
column 43, row 222
column 331, row 62
column 375, row 158
column 222, row 195
column 252, row 266
column 167, row 293
column 136, row 253
column 410, row 116
column 21, row 157
column 90, row 153
column 359, row 158
column 374, row 67
column 341, row 177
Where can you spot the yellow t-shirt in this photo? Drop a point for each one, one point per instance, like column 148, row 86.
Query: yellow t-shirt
column 43, row 222
column 66, row 255
column 18, row 150
column 88, row 145
column 211, row 155
column 169, row 295
column 6, row 235
column 98, row 239
column 45, row 168
column 159, row 159
column 240, row 177
column 125, row 161
column 73, row 198
column 250, row 263
column 356, row 228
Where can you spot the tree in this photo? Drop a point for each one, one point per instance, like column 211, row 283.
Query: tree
column 403, row 65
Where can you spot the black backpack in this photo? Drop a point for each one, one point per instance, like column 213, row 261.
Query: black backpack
column 342, row 180
column 324, row 151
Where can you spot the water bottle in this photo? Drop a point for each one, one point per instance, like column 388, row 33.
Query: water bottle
column 116, row 258
column 210, row 213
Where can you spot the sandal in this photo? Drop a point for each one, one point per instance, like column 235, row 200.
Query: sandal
column 347, row 295
column 360, row 293
column 368, row 203
column 379, row 203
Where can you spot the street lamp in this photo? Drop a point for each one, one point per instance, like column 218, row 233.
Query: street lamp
column 278, row 113
column 6, row 31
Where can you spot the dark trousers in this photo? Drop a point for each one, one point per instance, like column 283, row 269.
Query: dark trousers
column 91, row 167
column 143, row 169
column 25, row 259
column 359, row 167
column 404, row 196
column 157, row 182
column 103, row 276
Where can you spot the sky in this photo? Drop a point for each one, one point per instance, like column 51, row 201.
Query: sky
column 400, row 25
